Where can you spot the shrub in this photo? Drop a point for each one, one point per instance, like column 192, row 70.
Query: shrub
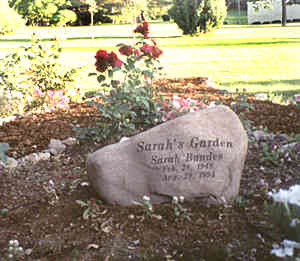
column 129, row 102
column 212, row 15
column 10, row 21
column 40, row 12
column 33, row 77
column 193, row 16
column 186, row 14
column 125, row 15
column 101, row 18
column 64, row 17
column 165, row 17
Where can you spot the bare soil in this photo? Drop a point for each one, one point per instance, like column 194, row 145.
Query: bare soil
column 49, row 223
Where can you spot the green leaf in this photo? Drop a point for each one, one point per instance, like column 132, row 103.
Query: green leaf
column 124, row 108
column 101, row 78
column 81, row 203
column 4, row 147
column 92, row 74
column 116, row 69
column 3, row 211
column 146, row 103
column 86, row 214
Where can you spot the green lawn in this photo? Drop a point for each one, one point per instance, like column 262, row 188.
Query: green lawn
column 259, row 58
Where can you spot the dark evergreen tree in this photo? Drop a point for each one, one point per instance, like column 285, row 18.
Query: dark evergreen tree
column 194, row 16
column 186, row 14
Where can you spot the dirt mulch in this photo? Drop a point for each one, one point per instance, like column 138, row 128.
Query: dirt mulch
column 33, row 133
column 49, row 223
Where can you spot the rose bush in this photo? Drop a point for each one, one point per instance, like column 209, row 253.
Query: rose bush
column 129, row 102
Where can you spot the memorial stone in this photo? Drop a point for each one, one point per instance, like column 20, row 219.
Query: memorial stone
column 196, row 155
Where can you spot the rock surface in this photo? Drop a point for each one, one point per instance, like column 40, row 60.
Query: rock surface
column 197, row 155
column 56, row 146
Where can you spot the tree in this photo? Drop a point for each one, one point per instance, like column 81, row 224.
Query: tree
column 40, row 12
column 186, row 14
column 212, row 15
column 283, row 13
column 9, row 19
column 92, row 8
column 193, row 16
column 157, row 8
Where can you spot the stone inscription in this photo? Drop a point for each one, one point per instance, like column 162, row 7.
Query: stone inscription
column 179, row 161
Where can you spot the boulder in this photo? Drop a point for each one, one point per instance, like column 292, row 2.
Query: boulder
column 56, row 146
column 199, row 154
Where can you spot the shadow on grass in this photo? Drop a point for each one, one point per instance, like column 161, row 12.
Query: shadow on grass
column 265, row 83
column 287, row 93
column 286, row 41
column 88, row 38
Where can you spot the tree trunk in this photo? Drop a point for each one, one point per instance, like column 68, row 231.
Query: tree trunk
column 283, row 17
column 92, row 24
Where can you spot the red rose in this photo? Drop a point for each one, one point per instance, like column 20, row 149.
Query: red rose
column 114, row 61
column 137, row 52
column 126, row 50
column 156, row 52
column 146, row 49
column 115, row 82
column 101, row 54
column 143, row 29
column 101, row 60
column 152, row 50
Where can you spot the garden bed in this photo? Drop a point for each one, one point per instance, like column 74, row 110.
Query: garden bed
column 42, row 213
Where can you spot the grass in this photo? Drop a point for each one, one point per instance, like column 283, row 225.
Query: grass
column 259, row 58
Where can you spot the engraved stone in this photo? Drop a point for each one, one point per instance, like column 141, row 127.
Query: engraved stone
column 199, row 154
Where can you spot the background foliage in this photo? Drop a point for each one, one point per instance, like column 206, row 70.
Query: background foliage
column 41, row 12
column 29, row 73
column 10, row 21
column 194, row 16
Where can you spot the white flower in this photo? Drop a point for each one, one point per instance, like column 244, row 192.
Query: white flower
column 287, row 249
column 212, row 104
column 146, row 198
column 175, row 102
column 282, row 252
column 14, row 243
column 291, row 196
column 181, row 199
column 290, row 243
column 175, row 200
column 295, row 222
